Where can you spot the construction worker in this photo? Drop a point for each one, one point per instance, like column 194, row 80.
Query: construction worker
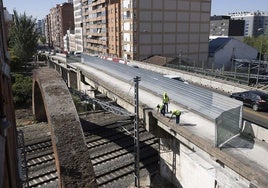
column 161, row 107
column 177, row 115
column 165, row 101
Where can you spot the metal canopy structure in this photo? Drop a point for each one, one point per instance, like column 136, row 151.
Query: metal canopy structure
column 224, row 112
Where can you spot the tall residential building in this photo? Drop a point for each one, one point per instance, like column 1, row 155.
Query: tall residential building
column 256, row 23
column 62, row 19
column 69, row 41
column 114, row 30
column 221, row 26
column 149, row 27
column 78, row 24
column 40, row 27
column 168, row 28
column 96, row 25
column 48, row 30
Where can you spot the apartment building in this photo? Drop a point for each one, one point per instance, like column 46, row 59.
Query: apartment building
column 152, row 27
column 40, row 27
column 168, row 28
column 96, row 25
column 61, row 19
column 224, row 26
column 256, row 23
column 48, row 33
column 78, row 23
column 70, row 41
column 114, row 30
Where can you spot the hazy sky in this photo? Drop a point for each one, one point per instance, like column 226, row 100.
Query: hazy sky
column 36, row 8
column 223, row 7
column 40, row 8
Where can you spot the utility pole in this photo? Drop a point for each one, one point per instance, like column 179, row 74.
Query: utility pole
column 258, row 71
column 249, row 66
column 259, row 64
column 136, row 133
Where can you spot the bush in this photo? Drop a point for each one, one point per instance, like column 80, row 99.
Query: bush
column 16, row 64
column 22, row 90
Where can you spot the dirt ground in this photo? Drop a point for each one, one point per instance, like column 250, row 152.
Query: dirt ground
column 24, row 117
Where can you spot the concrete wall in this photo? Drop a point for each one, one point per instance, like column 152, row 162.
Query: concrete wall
column 220, row 85
column 187, row 160
column 255, row 131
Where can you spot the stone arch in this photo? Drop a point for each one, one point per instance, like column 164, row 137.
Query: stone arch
column 53, row 102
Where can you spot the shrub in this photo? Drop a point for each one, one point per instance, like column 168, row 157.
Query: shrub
column 22, row 89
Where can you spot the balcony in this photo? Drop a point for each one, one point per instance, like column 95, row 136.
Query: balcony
column 97, row 41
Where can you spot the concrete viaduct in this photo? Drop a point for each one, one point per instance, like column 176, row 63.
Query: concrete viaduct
column 186, row 159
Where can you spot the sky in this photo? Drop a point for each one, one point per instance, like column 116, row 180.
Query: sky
column 40, row 8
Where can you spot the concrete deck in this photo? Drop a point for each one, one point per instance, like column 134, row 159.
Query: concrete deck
column 252, row 153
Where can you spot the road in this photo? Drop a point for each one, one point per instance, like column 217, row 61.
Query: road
column 260, row 118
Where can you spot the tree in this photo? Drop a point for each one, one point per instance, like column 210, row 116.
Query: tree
column 23, row 37
column 42, row 39
column 260, row 43
column 22, row 89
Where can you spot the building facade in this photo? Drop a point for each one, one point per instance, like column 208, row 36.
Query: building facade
column 256, row 23
column 69, row 41
column 151, row 27
column 95, row 25
column 9, row 173
column 8, row 21
column 114, row 30
column 78, row 23
column 40, row 27
column 61, row 19
column 48, row 30
column 167, row 28
column 221, row 26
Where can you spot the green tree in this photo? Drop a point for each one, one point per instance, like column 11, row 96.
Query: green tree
column 42, row 39
column 260, row 43
column 23, row 37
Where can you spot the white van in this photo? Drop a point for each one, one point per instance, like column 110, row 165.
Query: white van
column 77, row 54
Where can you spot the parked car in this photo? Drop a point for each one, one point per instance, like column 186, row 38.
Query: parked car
column 77, row 54
column 256, row 99
column 175, row 78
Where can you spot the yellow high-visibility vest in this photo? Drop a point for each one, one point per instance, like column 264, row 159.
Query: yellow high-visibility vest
column 176, row 112
column 165, row 97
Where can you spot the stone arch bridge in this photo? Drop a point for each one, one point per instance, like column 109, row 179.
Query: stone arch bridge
column 53, row 102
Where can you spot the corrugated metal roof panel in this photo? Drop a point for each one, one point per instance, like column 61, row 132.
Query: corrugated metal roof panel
column 218, row 43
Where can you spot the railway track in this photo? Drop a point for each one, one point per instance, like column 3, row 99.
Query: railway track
column 112, row 146
column 39, row 156
column 110, row 142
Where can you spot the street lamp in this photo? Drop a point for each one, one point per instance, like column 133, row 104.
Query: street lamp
column 258, row 72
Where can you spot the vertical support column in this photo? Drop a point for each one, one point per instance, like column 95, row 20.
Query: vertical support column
column 136, row 133
column 78, row 79
column 68, row 77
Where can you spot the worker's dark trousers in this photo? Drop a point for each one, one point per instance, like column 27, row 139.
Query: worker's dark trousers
column 177, row 119
column 163, row 111
column 166, row 106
